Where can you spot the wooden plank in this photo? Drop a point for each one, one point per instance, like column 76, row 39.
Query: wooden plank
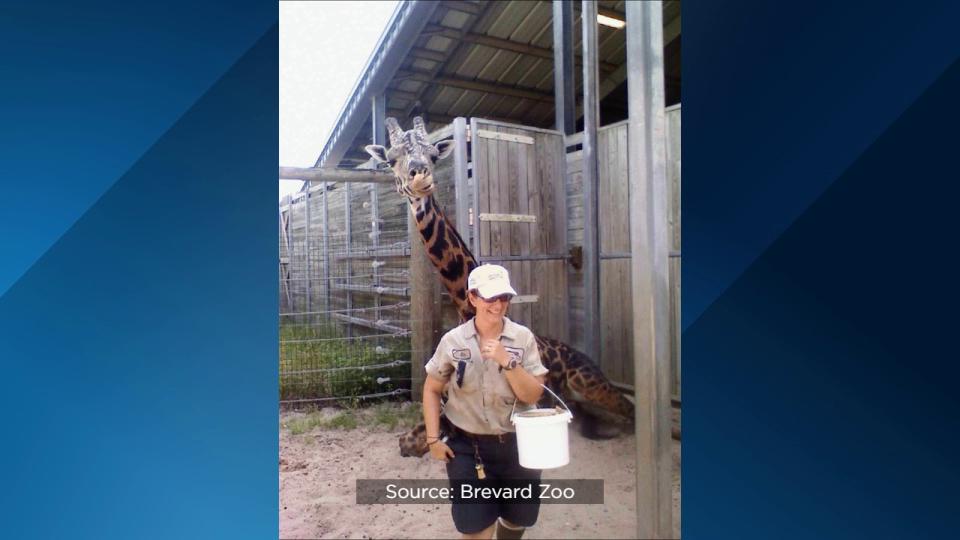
column 509, row 218
column 521, row 204
column 538, row 311
column 626, row 302
column 482, row 168
column 608, row 360
column 316, row 174
column 548, row 201
column 673, row 119
column 511, row 137
column 499, row 242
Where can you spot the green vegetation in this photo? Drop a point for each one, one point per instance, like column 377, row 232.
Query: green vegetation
column 318, row 360
column 385, row 415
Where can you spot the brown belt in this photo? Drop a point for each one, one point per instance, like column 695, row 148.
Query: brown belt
column 500, row 437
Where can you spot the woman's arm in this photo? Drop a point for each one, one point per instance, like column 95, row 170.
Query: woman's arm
column 525, row 385
column 432, row 388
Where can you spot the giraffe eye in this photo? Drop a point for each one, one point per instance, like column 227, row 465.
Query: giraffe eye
column 433, row 159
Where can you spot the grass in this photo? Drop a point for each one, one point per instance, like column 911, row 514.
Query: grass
column 316, row 357
column 381, row 416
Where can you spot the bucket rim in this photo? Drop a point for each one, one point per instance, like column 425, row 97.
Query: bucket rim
column 557, row 417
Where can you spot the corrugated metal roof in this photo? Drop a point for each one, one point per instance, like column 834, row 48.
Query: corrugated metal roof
column 484, row 59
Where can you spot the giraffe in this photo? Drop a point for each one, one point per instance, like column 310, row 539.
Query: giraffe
column 571, row 373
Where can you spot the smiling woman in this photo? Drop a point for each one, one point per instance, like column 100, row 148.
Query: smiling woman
column 497, row 363
column 323, row 49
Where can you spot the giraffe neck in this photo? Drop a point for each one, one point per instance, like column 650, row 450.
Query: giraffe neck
column 446, row 250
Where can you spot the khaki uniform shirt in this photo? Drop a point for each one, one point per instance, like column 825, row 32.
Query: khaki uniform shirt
column 479, row 396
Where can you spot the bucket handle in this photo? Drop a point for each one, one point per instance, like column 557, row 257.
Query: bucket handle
column 513, row 411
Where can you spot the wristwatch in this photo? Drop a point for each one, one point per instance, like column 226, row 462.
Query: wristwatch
column 511, row 364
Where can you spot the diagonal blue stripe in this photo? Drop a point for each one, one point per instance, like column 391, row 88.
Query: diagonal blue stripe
column 88, row 87
column 775, row 235
column 778, row 103
column 820, row 389
column 54, row 242
column 139, row 353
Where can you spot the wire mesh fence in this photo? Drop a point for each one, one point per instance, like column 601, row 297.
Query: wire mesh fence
column 344, row 295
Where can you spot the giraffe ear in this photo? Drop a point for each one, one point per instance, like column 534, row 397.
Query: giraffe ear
column 378, row 152
column 444, row 149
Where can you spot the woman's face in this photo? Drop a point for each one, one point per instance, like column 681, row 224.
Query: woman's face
column 492, row 310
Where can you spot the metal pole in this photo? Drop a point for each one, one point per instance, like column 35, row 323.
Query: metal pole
column 591, row 226
column 377, row 113
column 563, row 74
column 326, row 250
column 349, row 262
column 306, row 229
column 477, row 168
column 460, row 176
column 650, row 243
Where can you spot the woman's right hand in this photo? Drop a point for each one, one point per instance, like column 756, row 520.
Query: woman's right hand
column 441, row 452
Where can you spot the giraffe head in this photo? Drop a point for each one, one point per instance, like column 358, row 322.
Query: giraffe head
column 414, row 442
column 411, row 156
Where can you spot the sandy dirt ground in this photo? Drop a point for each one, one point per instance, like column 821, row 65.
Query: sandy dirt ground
column 318, row 470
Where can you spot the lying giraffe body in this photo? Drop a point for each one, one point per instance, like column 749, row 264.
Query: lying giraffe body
column 572, row 374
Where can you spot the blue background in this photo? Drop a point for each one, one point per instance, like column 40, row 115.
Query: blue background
column 819, row 282
column 138, row 300
column 138, row 328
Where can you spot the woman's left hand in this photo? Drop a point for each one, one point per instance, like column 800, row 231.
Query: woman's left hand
column 492, row 349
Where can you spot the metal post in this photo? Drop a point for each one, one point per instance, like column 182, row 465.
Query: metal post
column 650, row 243
column 349, row 262
column 476, row 193
column 375, row 236
column 460, row 176
column 378, row 114
column 306, row 229
column 563, row 75
column 591, row 225
column 326, row 251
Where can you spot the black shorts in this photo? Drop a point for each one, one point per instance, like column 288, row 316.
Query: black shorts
column 501, row 465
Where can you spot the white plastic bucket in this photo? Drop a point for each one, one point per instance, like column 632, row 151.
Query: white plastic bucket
column 542, row 438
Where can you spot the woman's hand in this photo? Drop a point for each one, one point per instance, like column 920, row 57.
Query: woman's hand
column 492, row 349
column 441, row 452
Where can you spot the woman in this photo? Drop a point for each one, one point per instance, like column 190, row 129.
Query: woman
column 490, row 363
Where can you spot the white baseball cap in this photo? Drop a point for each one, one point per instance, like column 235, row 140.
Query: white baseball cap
column 490, row 280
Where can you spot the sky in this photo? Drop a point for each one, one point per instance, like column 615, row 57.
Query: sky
column 323, row 48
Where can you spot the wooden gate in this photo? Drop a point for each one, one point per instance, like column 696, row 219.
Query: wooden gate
column 518, row 218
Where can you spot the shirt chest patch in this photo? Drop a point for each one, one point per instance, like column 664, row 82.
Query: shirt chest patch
column 515, row 353
column 460, row 354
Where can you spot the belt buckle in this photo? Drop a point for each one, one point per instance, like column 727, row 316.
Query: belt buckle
column 500, row 438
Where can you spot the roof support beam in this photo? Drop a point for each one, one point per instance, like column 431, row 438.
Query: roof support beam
column 563, row 82
column 506, row 45
column 427, row 54
column 457, row 45
column 479, row 86
column 466, row 7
